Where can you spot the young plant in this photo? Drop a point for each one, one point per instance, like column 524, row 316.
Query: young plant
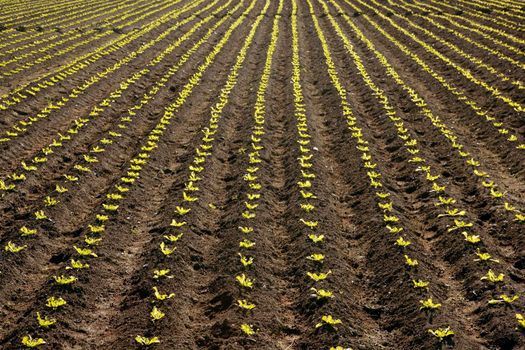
column 24, row 231
column 85, row 252
column 45, row 321
column 442, row 333
column 63, row 280
column 401, row 242
column 310, row 224
column 173, row 238
column 484, row 257
column 504, row 298
column 110, row 207
column 40, row 215
column 246, row 243
column 13, row 248
column 61, row 189
column 181, row 210
column 147, row 341
column 76, row 264
column 307, row 207
column 246, row 229
column 316, row 257
column 28, row 341
column 471, row 238
column 492, row 277
column 521, row 320
column 411, row 262
column 55, row 303
column 166, row 250
column 161, row 296
column 429, row 305
column 247, row 329
column 318, row 276
column 156, row 314
column 316, row 238
column 176, row 223
column 246, row 261
column 92, row 240
column 162, row 273
column 420, row 284
column 244, row 281
column 322, row 293
column 96, row 229
column 246, row 305
column 71, row 178
column 330, row 321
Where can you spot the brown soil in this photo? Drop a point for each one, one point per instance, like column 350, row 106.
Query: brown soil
column 110, row 303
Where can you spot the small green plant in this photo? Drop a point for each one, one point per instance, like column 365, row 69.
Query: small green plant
column 173, row 238
column 307, row 207
column 166, row 250
column 473, row 239
column 92, row 240
column 114, row 196
column 310, row 224
column 420, row 284
column 96, row 228
column 330, row 321
column 181, row 210
column 521, row 320
column 71, row 178
column 147, row 341
column 85, row 252
column 61, row 189
column 390, row 218
column 316, row 257
column 429, row 304
column 176, row 223
column 246, row 243
column 24, row 231
column 110, row 207
column 394, row 229
column 484, row 257
column 402, row 242
column 442, row 333
column 45, row 321
column 156, row 314
column 244, row 281
column 246, row 305
column 245, row 261
column 316, row 238
column 411, row 262
column 63, row 280
column 322, row 293
column 247, row 329
column 82, row 168
column 246, row 229
column 40, row 215
column 318, row 276
column 4, row 187
column 504, row 298
column 492, row 277
column 55, row 303
column 76, row 264
column 13, row 248
column 162, row 273
column 248, row 215
column 31, row 342
column 161, row 296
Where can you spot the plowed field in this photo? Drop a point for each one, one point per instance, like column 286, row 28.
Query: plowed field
column 262, row 174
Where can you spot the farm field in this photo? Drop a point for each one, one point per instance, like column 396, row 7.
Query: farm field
column 262, row 174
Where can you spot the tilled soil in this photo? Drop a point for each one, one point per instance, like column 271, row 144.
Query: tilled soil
column 374, row 296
